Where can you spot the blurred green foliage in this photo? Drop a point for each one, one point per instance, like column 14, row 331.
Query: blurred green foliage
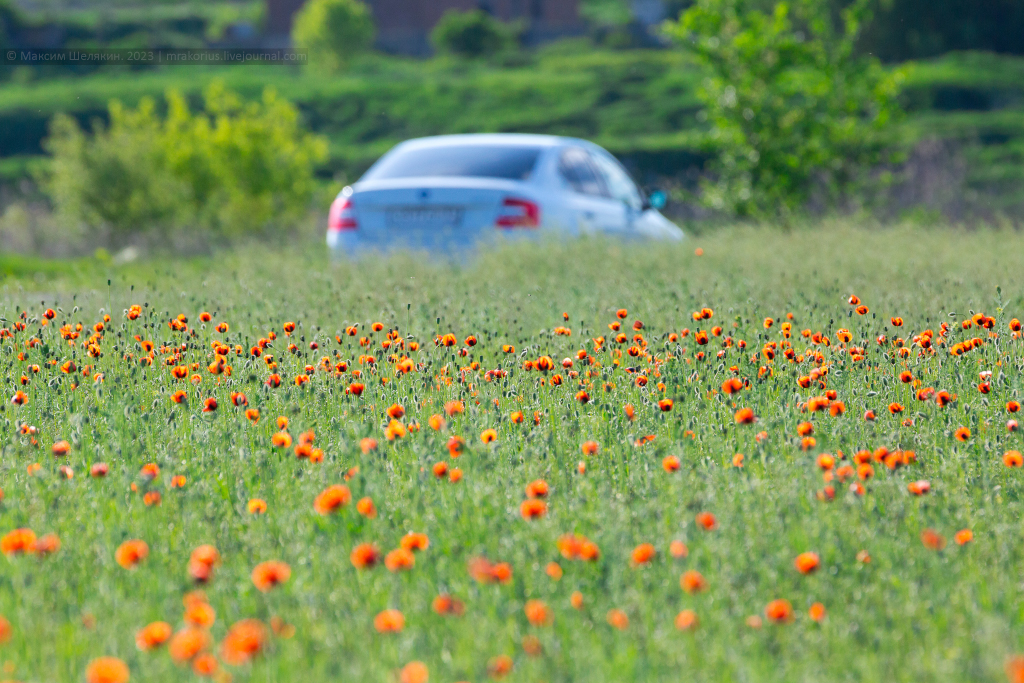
column 233, row 168
column 471, row 34
column 640, row 104
column 334, row 31
column 791, row 107
column 606, row 12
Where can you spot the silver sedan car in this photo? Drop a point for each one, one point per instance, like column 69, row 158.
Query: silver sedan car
column 455, row 191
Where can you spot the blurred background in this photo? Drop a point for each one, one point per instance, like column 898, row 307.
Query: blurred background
column 740, row 110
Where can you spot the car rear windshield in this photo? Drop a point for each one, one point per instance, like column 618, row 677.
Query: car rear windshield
column 513, row 162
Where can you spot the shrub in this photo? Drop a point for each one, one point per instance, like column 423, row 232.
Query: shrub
column 791, row 107
column 470, row 34
column 334, row 31
column 234, row 168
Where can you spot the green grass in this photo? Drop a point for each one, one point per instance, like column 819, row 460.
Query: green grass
column 911, row 614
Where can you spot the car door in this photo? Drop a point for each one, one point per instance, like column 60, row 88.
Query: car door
column 620, row 188
column 596, row 211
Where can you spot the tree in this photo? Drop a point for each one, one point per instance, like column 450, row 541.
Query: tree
column 791, row 107
column 334, row 31
column 233, row 168
column 470, row 34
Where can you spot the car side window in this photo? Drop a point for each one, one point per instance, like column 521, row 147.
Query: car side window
column 576, row 167
column 620, row 185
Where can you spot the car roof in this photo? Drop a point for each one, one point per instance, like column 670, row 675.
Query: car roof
column 505, row 139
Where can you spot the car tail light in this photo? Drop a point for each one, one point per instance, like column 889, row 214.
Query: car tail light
column 342, row 216
column 518, row 213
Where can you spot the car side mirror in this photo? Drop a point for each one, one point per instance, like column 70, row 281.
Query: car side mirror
column 656, row 200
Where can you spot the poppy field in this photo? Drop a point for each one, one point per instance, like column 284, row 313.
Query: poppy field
column 755, row 456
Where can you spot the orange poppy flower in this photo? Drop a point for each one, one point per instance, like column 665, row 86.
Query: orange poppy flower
column 932, row 540
column 366, row 508
column 364, row 556
column 200, row 614
column 745, row 416
column 962, row 434
column 589, row 447
column 61, row 448
column 130, row 553
column 446, row 605
column 46, row 545
column 414, row 672
column 919, row 488
column 1013, row 459
column 332, row 498
column 152, row 635
column 415, row 541
column 456, row 445
column 806, row 563
column 389, row 621
column 665, row 405
column 107, row 670
column 187, row 643
column 678, row 549
column 618, row 619
column 399, row 559
column 670, row 463
column 963, row 537
column 693, row 582
column 18, row 541
column 484, row 571
column 643, row 554
column 267, row 575
column 244, row 640
column 707, row 521
column 686, row 620
column 489, row 435
column 257, row 506
column 554, row 570
column 533, row 508
column 537, row 489
column 576, row 600
column 816, row 612
column 779, row 611
column 538, row 613
column 205, row 664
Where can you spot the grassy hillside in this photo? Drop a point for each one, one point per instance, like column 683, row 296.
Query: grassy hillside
column 640, row 104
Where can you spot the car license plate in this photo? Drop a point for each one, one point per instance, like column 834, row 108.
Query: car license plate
column 424, row 217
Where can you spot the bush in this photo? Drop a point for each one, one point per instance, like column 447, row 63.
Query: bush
column 791, row 108
column 234, row 168
column 470, row 34
column 334, row 31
